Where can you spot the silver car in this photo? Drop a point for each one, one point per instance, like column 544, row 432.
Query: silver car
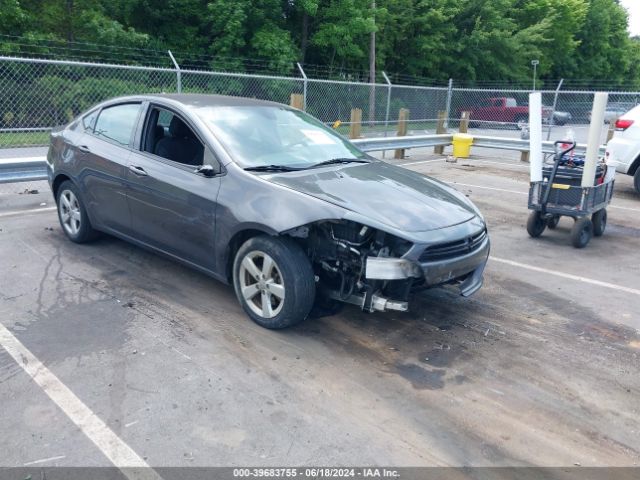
column 264, row 197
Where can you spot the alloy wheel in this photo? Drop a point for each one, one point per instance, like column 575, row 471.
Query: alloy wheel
column 261, row 284
column 70, row 214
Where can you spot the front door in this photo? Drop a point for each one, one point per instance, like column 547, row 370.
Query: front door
column 173, row 208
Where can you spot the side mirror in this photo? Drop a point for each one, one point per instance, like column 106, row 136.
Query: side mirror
column 206, row 171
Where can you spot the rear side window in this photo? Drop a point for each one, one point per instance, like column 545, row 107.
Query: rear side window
column 117, row 123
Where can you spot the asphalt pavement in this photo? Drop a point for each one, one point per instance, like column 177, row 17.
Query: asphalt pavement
column 539, row 368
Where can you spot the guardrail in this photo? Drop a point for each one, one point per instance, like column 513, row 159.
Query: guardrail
column 423, row 141
column 23, row 171
column 35, row 169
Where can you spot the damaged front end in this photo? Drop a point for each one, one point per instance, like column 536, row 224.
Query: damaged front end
column 365, row 266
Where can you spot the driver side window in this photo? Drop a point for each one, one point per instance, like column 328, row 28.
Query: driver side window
column 169, row 136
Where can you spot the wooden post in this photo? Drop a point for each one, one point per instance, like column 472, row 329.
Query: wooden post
column 442, row 117
column 403, row 116
column 297, row 101
column 611, row 131
column 356, row 123
column 464, row 122
column 524, row 156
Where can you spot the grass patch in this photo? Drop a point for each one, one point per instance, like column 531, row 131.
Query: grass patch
column 23, row 139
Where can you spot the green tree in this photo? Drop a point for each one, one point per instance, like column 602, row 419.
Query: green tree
column 342, row 33
column 604, row 44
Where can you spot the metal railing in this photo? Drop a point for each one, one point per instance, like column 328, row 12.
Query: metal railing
column 35, row 169
column 423, row 141
column 23, row 171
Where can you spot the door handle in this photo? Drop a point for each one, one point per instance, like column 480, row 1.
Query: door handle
column 138, row 170
column 84, row 148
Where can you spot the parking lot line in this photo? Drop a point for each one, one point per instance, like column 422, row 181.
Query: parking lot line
column 112, row 446
column 23, row 212
column 526, row 193
column 487, row 188
column 419, row 162
column 568, row 276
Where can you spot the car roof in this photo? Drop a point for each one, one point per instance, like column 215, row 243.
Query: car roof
column 199, row 100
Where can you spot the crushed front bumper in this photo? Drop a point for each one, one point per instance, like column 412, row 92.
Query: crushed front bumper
column 469, row 268
column 466, row 268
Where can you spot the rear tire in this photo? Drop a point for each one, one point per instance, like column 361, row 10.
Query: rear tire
column 552, row 223
column 636, row 180
column 535, row 224
column 521, row 121
column 599, row 220
column 581, row 232
column 72, row 214
column 274, row 281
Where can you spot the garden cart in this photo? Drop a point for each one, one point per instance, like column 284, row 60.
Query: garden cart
column 560, row 194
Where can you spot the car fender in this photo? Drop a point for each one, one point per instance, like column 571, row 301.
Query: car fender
column 624, row 154
column 268, row 209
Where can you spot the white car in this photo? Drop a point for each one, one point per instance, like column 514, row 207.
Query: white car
column 623, row 150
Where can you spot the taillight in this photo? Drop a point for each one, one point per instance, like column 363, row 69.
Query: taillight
column 622, row 124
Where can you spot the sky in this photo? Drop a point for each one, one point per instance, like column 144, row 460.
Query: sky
column 633, row 6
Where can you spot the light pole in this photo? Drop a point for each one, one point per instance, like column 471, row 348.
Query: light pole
column 372, row 70
column 535, row 64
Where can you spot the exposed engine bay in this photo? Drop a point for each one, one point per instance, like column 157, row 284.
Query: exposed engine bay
column 357, row 264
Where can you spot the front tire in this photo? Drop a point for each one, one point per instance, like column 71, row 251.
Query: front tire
column 581, row 232
column 274, row 281
column 72, row 214
column 535, row 224
column 599, row 220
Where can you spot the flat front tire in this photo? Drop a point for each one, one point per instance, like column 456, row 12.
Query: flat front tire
column 274, row 281
column 72, row 214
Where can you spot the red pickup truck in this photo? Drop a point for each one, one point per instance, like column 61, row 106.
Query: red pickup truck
column 502, row 110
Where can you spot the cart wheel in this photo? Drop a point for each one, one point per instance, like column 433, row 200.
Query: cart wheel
column 581, row 232
column 599, row 220
column 536, row 224
column 552, row 223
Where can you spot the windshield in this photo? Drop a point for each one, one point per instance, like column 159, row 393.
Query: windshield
column 264, row 135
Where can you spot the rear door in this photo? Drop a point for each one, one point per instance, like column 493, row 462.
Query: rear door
column 105, row 150
column 173, row 207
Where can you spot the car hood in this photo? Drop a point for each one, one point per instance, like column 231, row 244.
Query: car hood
column 390, row 195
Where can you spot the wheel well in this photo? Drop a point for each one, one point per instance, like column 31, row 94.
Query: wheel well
column 634, row 166
column 234, row 244
column 56, row 184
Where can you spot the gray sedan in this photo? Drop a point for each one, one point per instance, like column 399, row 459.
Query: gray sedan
column 264, row 197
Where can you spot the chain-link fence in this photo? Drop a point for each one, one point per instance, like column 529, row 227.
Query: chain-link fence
column 36, row 95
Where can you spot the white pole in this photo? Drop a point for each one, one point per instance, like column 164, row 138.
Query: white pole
column 593, row 142
column 535, row 136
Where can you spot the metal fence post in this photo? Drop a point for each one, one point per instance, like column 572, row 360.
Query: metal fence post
column 386, row 115
column 304, row 86
column 448, row 109
column 553, row 112
column 178, row 73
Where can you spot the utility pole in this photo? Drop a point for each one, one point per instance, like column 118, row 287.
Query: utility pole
column 372, row 70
